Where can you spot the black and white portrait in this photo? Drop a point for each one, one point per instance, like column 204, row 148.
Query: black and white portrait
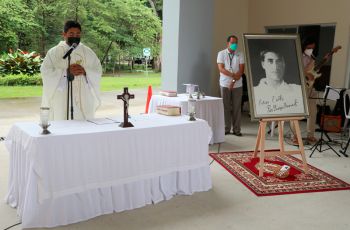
column 275, row 76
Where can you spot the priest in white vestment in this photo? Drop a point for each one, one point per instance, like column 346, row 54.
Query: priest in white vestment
column 87, row 71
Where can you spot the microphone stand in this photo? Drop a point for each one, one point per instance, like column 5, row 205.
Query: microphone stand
column 70, row 78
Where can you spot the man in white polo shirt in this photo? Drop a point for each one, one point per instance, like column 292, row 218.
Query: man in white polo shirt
column 231, row 67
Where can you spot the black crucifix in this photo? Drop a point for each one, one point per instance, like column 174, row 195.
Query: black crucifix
column 126, row 96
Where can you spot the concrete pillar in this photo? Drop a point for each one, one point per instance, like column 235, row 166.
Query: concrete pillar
column 187, row 44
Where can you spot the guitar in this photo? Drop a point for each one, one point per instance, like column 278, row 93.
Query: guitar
column 316, row 68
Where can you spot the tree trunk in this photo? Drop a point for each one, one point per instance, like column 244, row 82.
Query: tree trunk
column 119, row 65
column 157, row 60
column 132, row 63
column 42, row 39
column 153, row 6
column 106, row 53
column 114, row 67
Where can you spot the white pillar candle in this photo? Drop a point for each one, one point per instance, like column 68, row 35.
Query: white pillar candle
column 191, row 106
column 44, row 116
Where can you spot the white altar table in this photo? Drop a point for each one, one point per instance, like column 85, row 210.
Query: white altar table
column 83, row 170
column 208, row 108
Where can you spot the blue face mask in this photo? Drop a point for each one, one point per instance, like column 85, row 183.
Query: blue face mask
column 233, row 46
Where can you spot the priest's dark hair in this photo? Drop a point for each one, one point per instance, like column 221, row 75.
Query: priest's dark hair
column 71, row 24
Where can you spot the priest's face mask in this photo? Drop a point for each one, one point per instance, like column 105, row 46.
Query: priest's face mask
column 72, row 36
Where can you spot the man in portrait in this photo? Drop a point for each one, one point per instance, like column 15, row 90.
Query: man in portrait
column 273, row 95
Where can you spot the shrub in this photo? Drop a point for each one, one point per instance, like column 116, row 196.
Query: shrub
column 20, row 62
column 20, row 79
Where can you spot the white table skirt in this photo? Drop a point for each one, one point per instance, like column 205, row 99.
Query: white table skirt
column 208, row 108
column 83, row 170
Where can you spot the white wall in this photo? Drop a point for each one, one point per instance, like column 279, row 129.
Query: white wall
column 194, row 31
column 230, row 17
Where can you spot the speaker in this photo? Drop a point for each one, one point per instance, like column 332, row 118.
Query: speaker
column 332, row 123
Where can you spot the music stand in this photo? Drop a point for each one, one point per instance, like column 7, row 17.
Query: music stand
column 330, row 94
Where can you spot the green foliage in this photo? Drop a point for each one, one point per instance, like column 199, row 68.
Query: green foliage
column 129, row 25
column 156, row 6
column 20, row 91
column 20, row 80
column 133, row 81
column 107, row 84
column 17, row 25
column 20, row 62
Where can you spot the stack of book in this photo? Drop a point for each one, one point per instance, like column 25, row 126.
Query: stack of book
column 168, row 93
column 169, row 110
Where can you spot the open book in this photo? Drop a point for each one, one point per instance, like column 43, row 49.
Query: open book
column 102, row 121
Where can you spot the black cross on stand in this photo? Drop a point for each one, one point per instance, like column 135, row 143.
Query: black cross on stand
column 126, row 96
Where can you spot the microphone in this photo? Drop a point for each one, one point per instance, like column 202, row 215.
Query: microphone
column 70, row 50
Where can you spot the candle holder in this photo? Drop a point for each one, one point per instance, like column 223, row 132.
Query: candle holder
column 198, row 93
column 45, row 129
column 44, row 120
column 190, row 89
column 191, row 109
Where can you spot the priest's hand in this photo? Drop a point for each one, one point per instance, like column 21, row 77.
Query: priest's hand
column 77, row 69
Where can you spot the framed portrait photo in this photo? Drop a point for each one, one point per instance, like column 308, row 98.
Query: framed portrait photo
column 275, row 76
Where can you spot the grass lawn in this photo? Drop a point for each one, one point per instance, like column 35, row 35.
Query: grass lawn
column 132, row 80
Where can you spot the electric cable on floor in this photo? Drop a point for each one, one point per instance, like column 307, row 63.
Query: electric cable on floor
column 211, row 162
column 219, row 145
column 12, row 226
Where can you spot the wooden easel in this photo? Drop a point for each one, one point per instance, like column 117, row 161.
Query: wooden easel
column 260, row 141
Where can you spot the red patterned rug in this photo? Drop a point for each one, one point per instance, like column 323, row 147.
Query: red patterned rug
column 244, row 167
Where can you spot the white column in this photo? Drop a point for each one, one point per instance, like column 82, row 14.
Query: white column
column 187, row 44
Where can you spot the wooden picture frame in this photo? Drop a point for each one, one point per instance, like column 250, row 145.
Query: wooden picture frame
column 275, row 76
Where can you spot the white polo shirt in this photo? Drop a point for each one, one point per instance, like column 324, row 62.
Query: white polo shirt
column 231, row 63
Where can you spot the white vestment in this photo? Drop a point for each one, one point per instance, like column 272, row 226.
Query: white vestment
column 86, row 89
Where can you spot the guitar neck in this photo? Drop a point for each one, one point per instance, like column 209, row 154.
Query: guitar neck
column 321, row 63
column 324, row 60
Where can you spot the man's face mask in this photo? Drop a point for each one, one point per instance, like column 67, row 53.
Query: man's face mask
column 72, row 40
column 308, row 52
column 233, row 46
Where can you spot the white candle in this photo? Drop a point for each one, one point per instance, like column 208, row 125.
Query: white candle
column 44, row 116
column 191, row 106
